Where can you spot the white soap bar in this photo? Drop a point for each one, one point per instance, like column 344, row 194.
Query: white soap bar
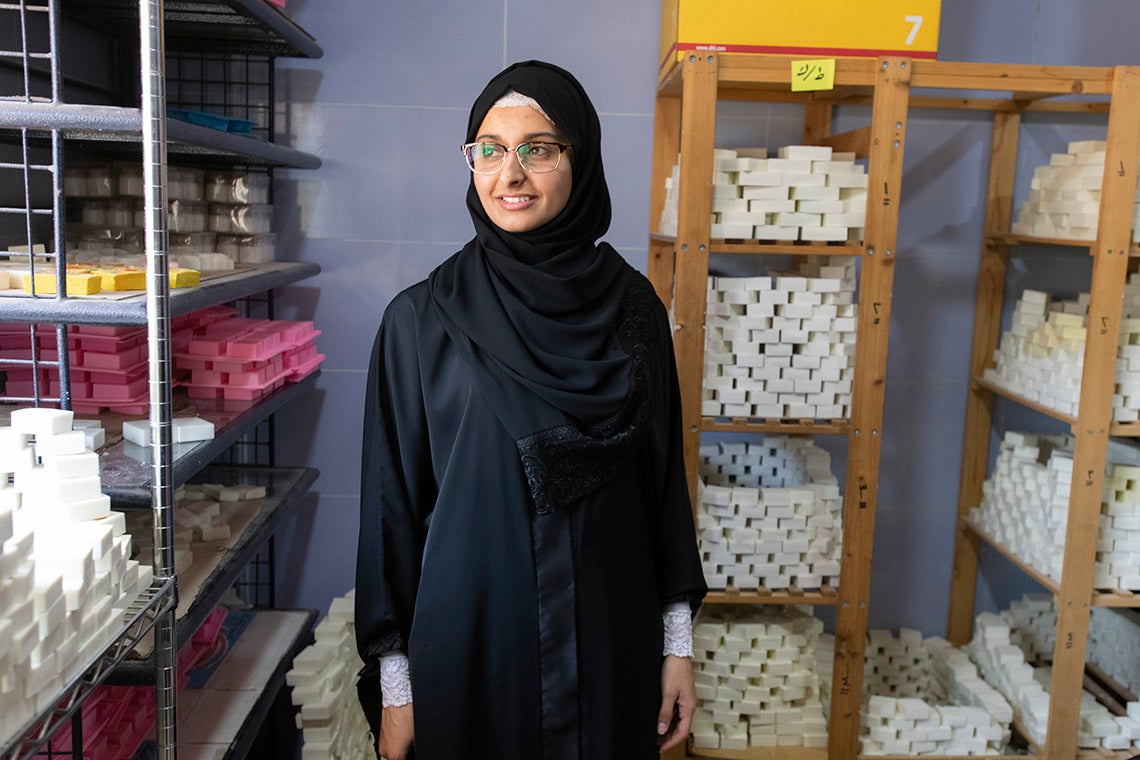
column 72, row 465
column 192, row 429
column 18, row 460
column 202, row 507
column 78, row 424
column 80, row 510
column 214, row 532
column 117, row 521
column 805, row 152
column 94, row 438
column 39, row 421
column 137, row 432
column 250, row 491
column 60, row 444
column 42, row 489
column 12, row 441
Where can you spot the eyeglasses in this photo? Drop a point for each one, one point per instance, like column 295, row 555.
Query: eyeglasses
column 535, row 157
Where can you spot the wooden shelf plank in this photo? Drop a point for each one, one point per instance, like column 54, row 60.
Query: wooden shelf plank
column 1117, row 429
column 1101, row 598
column 761, row 753
column 1008, row 394
column 760, row 73
column 1008, row 238
column 823, row 596
column 774, row 247
column 1111, row 683
column 775, row 426
column 1006, row 552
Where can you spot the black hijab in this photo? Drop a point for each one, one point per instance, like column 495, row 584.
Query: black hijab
column 540, row 308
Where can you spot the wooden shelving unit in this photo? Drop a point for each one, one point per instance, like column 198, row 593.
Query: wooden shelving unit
column 1092, row 426
column 687, row 95
column 686, row 117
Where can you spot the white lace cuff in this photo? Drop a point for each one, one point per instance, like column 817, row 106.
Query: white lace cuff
column 395, row 680
column 678, row 629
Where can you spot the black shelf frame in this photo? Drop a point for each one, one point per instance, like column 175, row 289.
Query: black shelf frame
column 115, row 130
column 127, row 467
column 288, row 491
column 35, row 121
column 237, row 26
column 131, row 311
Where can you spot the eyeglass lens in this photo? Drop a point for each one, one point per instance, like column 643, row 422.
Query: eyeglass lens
column 488, row 157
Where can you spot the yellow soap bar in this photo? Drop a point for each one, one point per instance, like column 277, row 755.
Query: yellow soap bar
column 122, row 279
column 184, row 278
column 78, row 284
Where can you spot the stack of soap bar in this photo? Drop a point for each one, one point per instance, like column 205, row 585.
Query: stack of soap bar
column 1064, row 196
column 998, row 647
column 770, row 515
column 756, row 680
column 1114, row 645
column 924, row 697
column 246, row 359
column 804, row 193
column 782, row 346
column 65, row 574
column 1042, row 354
column 1025, row 507
column 233, row 206
column 323, row 681
column 1113, row 641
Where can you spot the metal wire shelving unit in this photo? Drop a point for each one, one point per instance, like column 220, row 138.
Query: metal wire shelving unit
column 37, row 124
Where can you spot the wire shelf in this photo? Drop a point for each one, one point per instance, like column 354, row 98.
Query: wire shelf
column 140, row 618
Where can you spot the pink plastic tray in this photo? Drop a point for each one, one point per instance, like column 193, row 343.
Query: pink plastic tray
column 305, row 369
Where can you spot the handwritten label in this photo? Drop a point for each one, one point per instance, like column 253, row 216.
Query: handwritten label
column 813, row 75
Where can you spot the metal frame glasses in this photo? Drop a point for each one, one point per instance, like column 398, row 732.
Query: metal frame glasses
column 532, row 156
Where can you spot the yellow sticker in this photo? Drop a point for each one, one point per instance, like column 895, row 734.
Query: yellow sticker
column 817, row 74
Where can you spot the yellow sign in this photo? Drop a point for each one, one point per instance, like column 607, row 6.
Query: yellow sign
column 813, row 75
column 825, row 28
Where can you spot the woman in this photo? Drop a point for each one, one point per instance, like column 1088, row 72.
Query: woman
column 525, row 520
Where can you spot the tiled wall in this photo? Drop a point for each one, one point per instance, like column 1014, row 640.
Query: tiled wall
column 386, row 108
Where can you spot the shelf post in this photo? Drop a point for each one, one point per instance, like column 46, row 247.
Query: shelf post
column 1110, row 271
column 152, row 57
column 666, row 142
column 698, row 126
column 980, row 401
column 888, row 131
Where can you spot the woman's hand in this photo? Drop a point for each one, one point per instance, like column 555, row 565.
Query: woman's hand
column 398, row 732
column 678, row 701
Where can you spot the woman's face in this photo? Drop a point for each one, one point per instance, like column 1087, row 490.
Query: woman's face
column 514, row 199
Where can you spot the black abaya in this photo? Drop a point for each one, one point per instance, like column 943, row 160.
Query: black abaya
column 502, row 609
column 524, row 511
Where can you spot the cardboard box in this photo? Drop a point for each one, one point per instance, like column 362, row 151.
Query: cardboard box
column 823, row 28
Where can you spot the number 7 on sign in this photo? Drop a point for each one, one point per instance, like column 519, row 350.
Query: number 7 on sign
column 916, row 24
